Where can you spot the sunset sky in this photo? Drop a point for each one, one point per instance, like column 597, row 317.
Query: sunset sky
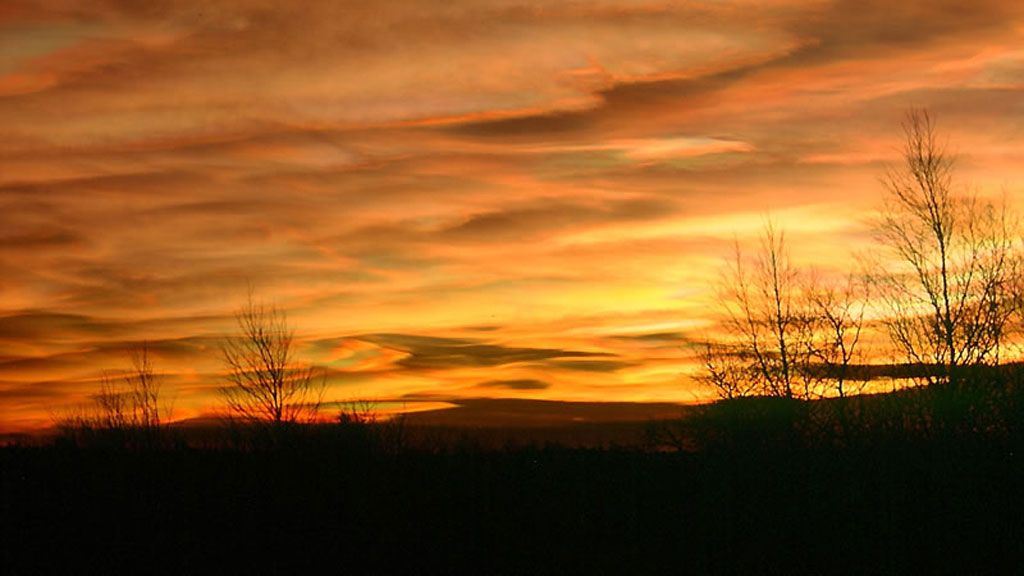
column 451, row 199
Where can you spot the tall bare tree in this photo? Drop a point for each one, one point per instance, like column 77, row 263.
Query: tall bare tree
column 952, row 264
column 265, row 382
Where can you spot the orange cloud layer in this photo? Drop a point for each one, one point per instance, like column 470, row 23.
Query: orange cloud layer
column 471, row 198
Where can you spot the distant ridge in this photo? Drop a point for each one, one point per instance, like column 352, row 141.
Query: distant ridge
column 515, row 412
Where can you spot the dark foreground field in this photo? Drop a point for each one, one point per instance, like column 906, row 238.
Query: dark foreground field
column 921, row 507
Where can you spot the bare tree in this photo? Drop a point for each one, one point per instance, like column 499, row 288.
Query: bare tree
column 837, row 312
column 767, row 323
column 952, row 266
column 265, row 381
column 788, row 333
column 144, row 386
column 113, row 409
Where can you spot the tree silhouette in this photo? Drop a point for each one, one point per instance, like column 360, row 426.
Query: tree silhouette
column 769, row 334
column 132, row 401
column 837, row 314
column 951, row 273
column 788, row 333
column 265, row 382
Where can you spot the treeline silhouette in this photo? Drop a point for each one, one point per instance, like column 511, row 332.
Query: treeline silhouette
column 759, row 496
column 945, row 285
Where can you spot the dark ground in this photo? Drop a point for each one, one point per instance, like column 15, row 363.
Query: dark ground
column 917, row 507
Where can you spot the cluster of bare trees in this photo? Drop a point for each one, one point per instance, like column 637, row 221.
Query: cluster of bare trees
column 946, row 285
column 953, row 294
column 132, row 401
column 788, row 333
column 266, row 384
column 127, row 408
